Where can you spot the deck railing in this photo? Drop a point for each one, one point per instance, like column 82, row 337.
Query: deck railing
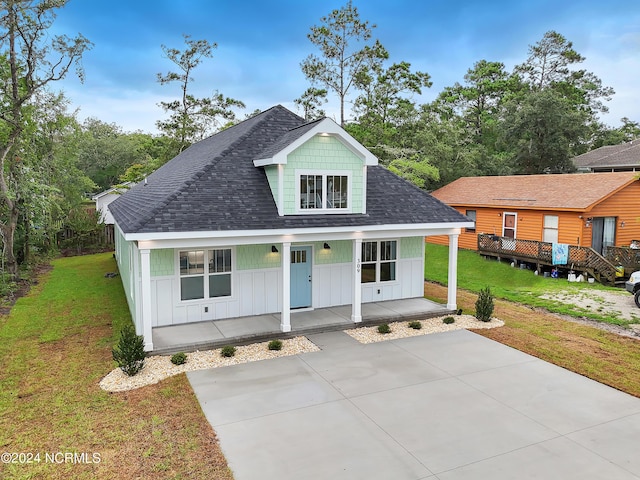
column 579, row 258
column 629, row 258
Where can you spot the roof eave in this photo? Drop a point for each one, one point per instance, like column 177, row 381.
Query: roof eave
column 325, row 127
column 353, row 231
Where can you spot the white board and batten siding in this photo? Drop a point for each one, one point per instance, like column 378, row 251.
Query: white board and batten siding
column 257, row 292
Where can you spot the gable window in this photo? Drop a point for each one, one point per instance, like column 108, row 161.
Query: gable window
column 323, row 192
column 379, row 261
column 205, row 271
column 472, row 216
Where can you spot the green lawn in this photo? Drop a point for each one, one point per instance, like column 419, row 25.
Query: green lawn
column 55, row 346
column 506, row 282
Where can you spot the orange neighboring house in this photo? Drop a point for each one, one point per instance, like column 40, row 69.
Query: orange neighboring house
column 589, row 210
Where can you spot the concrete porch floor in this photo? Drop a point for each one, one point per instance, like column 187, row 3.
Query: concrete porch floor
column 243, row 330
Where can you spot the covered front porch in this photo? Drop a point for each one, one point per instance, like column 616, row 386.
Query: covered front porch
column 258, row 328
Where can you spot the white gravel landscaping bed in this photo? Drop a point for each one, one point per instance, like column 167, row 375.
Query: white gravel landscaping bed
column 431, row 325
column 159, row 367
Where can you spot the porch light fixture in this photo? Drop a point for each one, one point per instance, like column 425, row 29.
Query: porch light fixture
column 274, row 249
column 327, row 246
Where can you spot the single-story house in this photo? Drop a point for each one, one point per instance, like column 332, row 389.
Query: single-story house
column 103, row 199
column 610, row 158
column 588, row 210
column 270, row 215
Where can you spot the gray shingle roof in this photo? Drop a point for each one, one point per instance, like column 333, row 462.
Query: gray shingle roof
column 610, row 156
column 214, row 186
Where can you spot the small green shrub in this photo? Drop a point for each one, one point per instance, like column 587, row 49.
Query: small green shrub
column 484, row 305
column 384, row 328
column 179, row 358
column 448, row 320
column 416, row 325
column 129, row 353
column 275, row 345
column 228, row 351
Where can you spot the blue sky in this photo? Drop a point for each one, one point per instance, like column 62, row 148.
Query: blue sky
column 261, row 45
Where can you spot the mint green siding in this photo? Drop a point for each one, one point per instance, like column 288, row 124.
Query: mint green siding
column 341, row 252
column 162, row 262
column 253, row 257
column 271, row 171
column 323, row 154
column 411, row 247
column 125, row 267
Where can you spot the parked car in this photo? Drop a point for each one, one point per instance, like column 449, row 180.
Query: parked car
column 633, row 286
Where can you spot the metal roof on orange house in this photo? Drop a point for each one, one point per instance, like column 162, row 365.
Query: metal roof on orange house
column 578, row 191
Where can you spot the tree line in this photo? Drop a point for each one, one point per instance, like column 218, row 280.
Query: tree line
column 532, row 119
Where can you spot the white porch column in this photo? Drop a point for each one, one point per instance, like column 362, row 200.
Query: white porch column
column 285, row 315
column 453, row 272
column 145, row 289
column 356, row 301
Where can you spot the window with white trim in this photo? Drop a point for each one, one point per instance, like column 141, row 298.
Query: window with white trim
column 205, row 271
column 550, row 229
column 323, row 191
column 378, row 263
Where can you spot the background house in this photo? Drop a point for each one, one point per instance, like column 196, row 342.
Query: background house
column 271, row 215
column 610, row 158
column 103, row 199
column 578, row 209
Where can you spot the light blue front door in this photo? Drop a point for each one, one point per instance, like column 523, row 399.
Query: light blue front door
column 300, row 277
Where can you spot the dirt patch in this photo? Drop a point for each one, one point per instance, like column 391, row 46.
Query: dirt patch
column 602, row 302
column 24, row 285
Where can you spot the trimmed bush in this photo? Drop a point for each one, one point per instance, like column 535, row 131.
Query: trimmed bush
column 484, row 305
column 228, row 351
column 416, row 325
column 129, row 353
column 384, row 328
column 448, row 320
column 275, row 345
column 179, row 358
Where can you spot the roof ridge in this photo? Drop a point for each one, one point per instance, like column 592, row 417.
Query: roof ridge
column 198, row 173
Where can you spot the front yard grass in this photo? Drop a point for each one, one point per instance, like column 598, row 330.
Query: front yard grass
column 55, row 346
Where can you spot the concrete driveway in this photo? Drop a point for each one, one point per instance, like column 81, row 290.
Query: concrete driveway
column 444, row 406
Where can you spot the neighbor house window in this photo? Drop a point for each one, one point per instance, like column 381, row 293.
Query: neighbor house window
column 379, row 261
column 550, row 230
column 472, row 215
column 205, row 271
column 324, row 192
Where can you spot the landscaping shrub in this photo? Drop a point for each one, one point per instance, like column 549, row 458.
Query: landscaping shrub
column 416, row 325
column 228, row 351
column 384, row 328
column 275, row 345
column 484, row 305
column 179, row 358
column 448, row 320
column 129, row 353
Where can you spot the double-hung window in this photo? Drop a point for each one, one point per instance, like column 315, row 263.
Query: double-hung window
column 379, row 261
column 471, row 214
column 323, row 192
column 205, row 271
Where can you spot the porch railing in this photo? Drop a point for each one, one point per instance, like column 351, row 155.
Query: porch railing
column 579, row 258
